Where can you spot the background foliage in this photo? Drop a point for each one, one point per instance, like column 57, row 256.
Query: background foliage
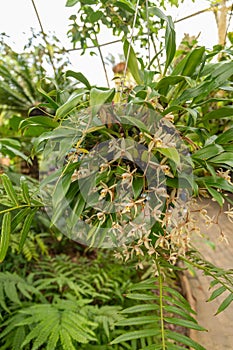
column 92, row 301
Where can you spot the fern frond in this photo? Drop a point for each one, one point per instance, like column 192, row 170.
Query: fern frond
column 159, row 307
column 15, row 289
column 49, row 324
column 221, row 279
column 53, row 338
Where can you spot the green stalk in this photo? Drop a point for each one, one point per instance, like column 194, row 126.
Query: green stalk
column 161, row 306
column 19, row 207
column 206, row 270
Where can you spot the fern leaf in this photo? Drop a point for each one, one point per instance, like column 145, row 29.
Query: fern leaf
column 18, row 218
column 153, row 347
column 18, row 338
column 78, row 327
column 66, row 341
column 184, row 323
column 15, row 288
column 10, row 324
column 46, row 327
column 225, row 303
column 180, row 338
column 2, row 298
column 140, row 308
column 217, row 292
column 173, row 301
column 74, row 332
column 171, row 346
column 5, row 235
column 176, row 295
column 25, row 190
column 53, row 338
column 139, row 296
column 9, row 189
column 24, row 290
column 11, row 292
column 178, row 311
column 136, row 335
column 138, row 320
column 148, row 284
column 25, row 229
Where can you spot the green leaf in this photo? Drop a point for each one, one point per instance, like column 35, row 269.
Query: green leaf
column 218, row 182
column 9, row 189
column 95, row 16
column 78, row 208
column 138, row 296
column 134, row 121
column 66, row 340
column 5, row 235
column 69, row 105
column 137, row 186
column 11, row 292
column 177, row 311
column 208, row 151
column 80, row 77
column 137, row 320
column 190, row 62
column 180, row 338
column 2, row 299
column 184, row 323
column 132, row 62
column 166, row 82
column 157, row 12
column 14, row 152
column 171, row 153
column 224, row 112
column 217, row 292
column 225, row 303
column 170, row 42
column 46, row 95
column 216, row 195
column 136, row 335
column 225, row 137
column 25, row 190
column 140, row 308
column 125, row 5
column 25, row 229
column 44, row 121
column 98, row 97
column 70, row 3
column 53, row 338
column 18, row 218
column 224, row 158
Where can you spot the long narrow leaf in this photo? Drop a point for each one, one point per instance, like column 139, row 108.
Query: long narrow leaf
column 136, row 335
column 132, row 62
column 25, row 229
column 5, row 235
column 225, row 303
column 9, row 189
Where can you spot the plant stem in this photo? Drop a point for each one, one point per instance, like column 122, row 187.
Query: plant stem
column 102, row 60
column 148, row 29
column 19, row 207
column 206, row 270
column 44, row 37
column 161, row 306
column 157, row 54
column 91, row 47
column 197, row 13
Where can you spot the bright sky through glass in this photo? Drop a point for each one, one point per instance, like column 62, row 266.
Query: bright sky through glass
column 18, row 16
